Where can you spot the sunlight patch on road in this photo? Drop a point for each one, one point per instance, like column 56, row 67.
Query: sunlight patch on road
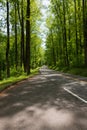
column 50, row 118
column 54, row 118
column 36, row 118
column 52, row 75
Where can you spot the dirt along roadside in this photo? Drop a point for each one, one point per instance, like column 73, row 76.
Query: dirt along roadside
column 41, row 103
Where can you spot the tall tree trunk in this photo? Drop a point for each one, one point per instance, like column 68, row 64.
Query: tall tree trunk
column 22, row 48
column 65, row 36
column 59, row 22
column 0, row 71
column 76, row 30
column 69, row 34
column 85, row 29
column 16, row 52
column 8, row 43
column 22, row 36
column 79, row 26
column 53, row 50
column 28, row 37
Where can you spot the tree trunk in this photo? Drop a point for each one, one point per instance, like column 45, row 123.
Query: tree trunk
column 85, row 29
column 22, row 48
column 65, row 37
column 22, row 36
column 0, row 71
column 79, row 26
column 76, row 30
column 8, row 43
column 28, row 37
column 53, row 50
column 16, row 52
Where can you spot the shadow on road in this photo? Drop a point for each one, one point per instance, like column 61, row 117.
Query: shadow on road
column 40, row 103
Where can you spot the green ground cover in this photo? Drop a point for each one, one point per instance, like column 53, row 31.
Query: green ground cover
column 82, row 71
column 13, row 80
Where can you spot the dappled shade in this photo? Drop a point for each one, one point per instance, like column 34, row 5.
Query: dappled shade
column 40, row 103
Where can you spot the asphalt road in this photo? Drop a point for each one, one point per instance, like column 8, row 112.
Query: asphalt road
column 42, row 103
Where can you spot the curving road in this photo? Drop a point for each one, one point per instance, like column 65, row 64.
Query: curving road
column 43, row 103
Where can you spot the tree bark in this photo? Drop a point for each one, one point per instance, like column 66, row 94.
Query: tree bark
column 8, row 43
column 65, row 36
column 16, row 52
column 28, row 37
column 85, row 30
column 0, row 71
column 76, row 39
column 22, row 36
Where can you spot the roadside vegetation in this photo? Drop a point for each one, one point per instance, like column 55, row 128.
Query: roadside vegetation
column 23, row 46
column 6, row 82
column 72, row 70
column 66, row 42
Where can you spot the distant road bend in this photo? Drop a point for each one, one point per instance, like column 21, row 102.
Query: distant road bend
column 48, row 101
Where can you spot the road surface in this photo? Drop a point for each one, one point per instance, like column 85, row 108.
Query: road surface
column 42, row 103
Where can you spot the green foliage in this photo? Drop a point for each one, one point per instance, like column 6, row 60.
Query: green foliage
column 17, row 72
column 14, row 79
column 81, row 71
column 15, row 26
column 65, row 39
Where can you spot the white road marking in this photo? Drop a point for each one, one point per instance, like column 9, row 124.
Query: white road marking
column 75, row 95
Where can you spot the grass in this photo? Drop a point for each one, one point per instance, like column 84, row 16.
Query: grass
column 78, row 71
column 82, row 71
column 13, row 80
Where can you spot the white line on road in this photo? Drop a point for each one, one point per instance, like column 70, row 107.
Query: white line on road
column 83, row 100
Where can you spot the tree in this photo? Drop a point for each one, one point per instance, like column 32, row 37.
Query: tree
column 22, row 37
column 16, row 52
column 67, row 19
column 85, row 29
column 65, row 36
column 28, row 37
column 20, row 55
column 8, row 43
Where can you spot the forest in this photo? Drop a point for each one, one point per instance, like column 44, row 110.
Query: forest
column 20, row 44
column 21, row 49
column 43, row 64
column 66, row 42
